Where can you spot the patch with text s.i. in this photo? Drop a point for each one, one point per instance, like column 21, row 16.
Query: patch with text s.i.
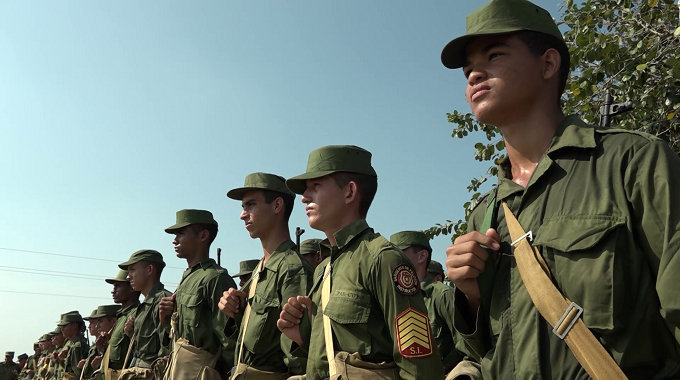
column 413, row 335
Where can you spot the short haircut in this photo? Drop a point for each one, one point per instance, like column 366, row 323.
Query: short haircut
column 157, row 266
column 418, row 248
column 538, row 43
column 288, row 201
column 212, row 230
column 367, row 186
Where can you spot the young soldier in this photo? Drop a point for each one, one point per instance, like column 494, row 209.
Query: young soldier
column 44, row 360
column 76, row 347
column 602, row 206
column 436, row 270
column 199, row 321
column 56, row 368
column 104, row 319
column 438, row 297
column 309, row 249
column 32, row 363
column 119, row 341
column 93, row 328
column 374, row 311
column 246, row 269
column 282, row 273
column 9, row 369
column 151, row 340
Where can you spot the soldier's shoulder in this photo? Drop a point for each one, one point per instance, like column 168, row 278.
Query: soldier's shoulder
column 442, row 288
column 481, row 200
column 627, row 133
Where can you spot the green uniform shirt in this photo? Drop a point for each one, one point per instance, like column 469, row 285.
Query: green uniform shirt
column 77, row 350
column 286, row 274
column 365, row 304
column 119, row 341
column 44, row 364
column 604, row 208
column 151, row 338
column 88, row 370
column 7, row 371
column 200, row 321
column 439, row 300
column 56, row 367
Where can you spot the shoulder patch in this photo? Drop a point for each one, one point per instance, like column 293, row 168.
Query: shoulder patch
column 413, row 335
column 405, row 280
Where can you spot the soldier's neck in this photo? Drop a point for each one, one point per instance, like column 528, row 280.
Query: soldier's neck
column 203, row 255
column 527, row 139
column 421, row 272
column 274, row 239
column 147, row 289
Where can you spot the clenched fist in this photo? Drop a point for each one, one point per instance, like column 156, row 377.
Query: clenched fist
column 232, row 302
column 291, row 315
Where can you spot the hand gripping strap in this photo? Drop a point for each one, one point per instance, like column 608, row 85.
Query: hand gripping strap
column 246, row 317
column 556, row 309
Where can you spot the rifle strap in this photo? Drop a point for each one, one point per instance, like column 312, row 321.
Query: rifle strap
column 127, row 356
column 486, row 278
column 560, row 312
column 327, row 329
column 246, row 314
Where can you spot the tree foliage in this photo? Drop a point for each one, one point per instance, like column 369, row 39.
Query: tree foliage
column 630, row 48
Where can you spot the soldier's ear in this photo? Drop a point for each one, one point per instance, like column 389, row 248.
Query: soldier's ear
column 351, row 192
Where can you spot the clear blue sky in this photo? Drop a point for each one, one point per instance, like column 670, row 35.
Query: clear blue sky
column 115, row 115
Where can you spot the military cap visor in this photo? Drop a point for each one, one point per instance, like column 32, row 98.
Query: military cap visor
column 92, row 315
column 147, row 255
column 260, row 181
column 22, row 357
column 333, row 159
column 499, row 17
column 106, row 311
column 68, row 318
column 121, row 276
column 188, row 217
column 246, row 267
column 310, row 246
column 45, row 337
column 407, row 239
column 9, row 353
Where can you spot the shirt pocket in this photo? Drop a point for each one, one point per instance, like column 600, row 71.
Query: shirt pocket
column 189, row 307
column 350, row 308
column 262, row 331
column 585, row 264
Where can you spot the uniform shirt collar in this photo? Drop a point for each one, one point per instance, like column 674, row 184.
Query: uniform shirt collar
column 427, row 285
column 156, row 289
column 344, row 237
column 278, row 255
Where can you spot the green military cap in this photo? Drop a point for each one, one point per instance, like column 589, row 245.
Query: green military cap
column 188, row 217
column 121, row 276
column 106, row 311
column 36, row 345
column 246, row 267
column 406, row 239
column 9, row 353
column 148, row 255
column 45, row 337
column 92, row 315
column 499, row 17
column 22, row 356
column 260, row 181
column 332, row 159
column 57, row 331
column 436, row 267
column 309, row 246
column 61, row 316
column 72, row 317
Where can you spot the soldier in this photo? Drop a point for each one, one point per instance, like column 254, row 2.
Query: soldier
column 23, row 358
column 9, row 370
column 282, row 273
column 438, row 297
column 374, row 315
column 436, row 270
column 246, row 269
column 44, row 360
column 56, row 368
column 119, row 341
column 601, row 206
column 105, row 319
column 309, row 249
column 76, row 347
column 151, row 340
column 93, row 328
column 32, row 364
column 199, row 321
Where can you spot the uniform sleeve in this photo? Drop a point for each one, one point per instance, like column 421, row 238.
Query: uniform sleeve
column 406, row 316
column 218, row 286
column 653, row 188
column 445, row 309
column 163, row 334
column 296, row 280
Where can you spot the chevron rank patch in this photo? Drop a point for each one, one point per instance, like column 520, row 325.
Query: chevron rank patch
column 414, row 338
column 405, row 279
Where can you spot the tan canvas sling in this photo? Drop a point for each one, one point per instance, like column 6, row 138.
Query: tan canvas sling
column 246, row 314
column 560, row 312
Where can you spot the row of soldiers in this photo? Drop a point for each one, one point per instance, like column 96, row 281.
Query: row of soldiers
column 592, row 295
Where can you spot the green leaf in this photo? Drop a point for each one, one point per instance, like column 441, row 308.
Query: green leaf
column 500, row 145
column 641, row 66
column 652, row 3
column 677, row 31
column 670, row 116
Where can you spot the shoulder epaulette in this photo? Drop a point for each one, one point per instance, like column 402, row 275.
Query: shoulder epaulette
column 476, row 202
column 644, row 135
